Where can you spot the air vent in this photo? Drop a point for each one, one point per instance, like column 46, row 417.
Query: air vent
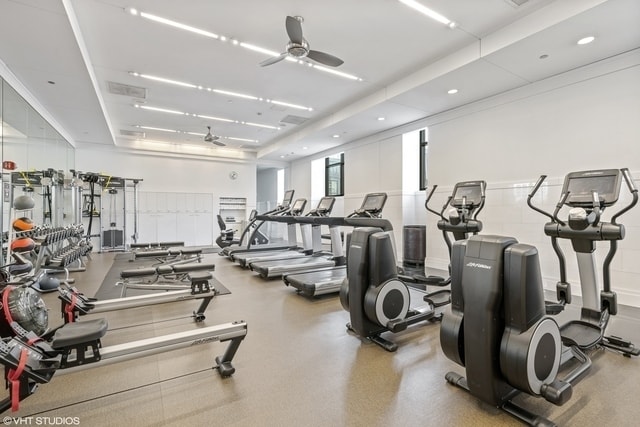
column 516, row 3
column 133, row 133
column 126, row 90
column 294, row 120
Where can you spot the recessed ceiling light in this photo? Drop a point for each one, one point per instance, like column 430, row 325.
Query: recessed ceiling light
column 164, row 80
column 335, row 135
column 305, row 148
column 336, row 72
column 220, row 119
column 380, row 118
column 133, row 11
column 452, row 91
column 586, row 40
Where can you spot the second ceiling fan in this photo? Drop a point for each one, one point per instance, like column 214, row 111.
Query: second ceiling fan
column 298, row 47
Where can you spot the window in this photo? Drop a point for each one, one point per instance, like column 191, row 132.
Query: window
column 334, row 175
column 423, row 159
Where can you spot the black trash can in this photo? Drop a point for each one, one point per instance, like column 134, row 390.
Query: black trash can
column 414, row 240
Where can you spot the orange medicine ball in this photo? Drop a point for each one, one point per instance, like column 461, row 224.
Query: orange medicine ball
column 22, row 224
column 24, row 244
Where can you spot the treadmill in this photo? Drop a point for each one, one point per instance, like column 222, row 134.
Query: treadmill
column 328, row 280
column 252, row 233
column 245, row 258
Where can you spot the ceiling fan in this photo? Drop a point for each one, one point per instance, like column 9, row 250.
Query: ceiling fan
column 213, row 138
column 298, row 47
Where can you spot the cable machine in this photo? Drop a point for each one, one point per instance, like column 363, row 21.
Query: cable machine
column 104, row 202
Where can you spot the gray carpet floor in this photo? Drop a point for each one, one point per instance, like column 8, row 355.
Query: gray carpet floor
column 298, row 366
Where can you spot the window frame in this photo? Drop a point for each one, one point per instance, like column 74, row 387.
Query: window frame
column 424, row 144
column 330, row 163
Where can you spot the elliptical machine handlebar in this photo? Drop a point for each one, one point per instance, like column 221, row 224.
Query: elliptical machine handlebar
column 483, row 187
column 632, row 189
column 426, row 203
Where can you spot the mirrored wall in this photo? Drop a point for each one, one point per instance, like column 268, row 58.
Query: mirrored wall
column 36, row 160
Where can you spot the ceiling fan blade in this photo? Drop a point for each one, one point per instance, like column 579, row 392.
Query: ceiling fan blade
column 219, row 143
column 294, row 30
column 325, row 58
column 273, row 60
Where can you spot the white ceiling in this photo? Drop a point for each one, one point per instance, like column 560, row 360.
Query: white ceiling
column 407, row 63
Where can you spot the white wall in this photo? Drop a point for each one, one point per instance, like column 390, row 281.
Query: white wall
column 172, row 178
column 584, row 119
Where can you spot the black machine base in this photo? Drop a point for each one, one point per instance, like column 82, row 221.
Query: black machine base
column 508, row 406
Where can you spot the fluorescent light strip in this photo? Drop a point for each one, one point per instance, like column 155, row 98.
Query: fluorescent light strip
column 196, row 133
column 179, row 25
column 202, row 116
column 218, row 91
column 263, row 50
column 240, row 139
column 220, row 119
column 239, row 95
column 260, row 125
column 286, row 104
column 426, row 11
column 158, row 129
column 165, row 80
column 259, row 49
column 162, row 110
column 336, row 72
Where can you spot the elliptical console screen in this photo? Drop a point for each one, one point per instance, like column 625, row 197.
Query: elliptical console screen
column 471, row 190
column 581, row 185
column 288, row 197
column 374, row 202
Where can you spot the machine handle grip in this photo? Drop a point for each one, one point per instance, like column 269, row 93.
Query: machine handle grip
column 537, row 186
column 634, row 191
column 426, row 203
column 534, row 191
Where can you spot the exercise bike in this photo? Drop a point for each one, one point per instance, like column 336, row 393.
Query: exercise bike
column 500, row 328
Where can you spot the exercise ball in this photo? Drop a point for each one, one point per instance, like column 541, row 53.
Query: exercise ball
column 23, row 202
column 23, row 244
column 24, row 306
column 47, row 284
column 22, row 224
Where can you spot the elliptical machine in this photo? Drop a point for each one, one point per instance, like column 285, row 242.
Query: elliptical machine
column 588, row 193
column 499, row 329
column 466, row 202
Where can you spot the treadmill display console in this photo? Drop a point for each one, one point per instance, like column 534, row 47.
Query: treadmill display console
column 326, row 204
column 298, row 206
column 581, row 185
column 374, row 202
column 467, row 193
column 288, row 197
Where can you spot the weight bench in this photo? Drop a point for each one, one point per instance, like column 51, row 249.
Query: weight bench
column 170, row 256
column 173, row 277
column 154, row 245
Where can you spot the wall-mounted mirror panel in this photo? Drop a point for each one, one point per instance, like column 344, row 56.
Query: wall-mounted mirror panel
column 36, row 159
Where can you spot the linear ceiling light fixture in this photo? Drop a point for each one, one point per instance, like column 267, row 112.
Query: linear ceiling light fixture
column 202, row 116
column 248, row 46
column 428, row 12
column 161, row 110
column 219, row 91
column 192, row 133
